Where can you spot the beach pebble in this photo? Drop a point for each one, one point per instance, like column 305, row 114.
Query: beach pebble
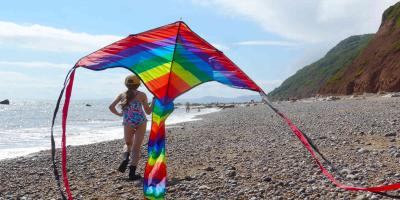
column 266, row 178
column 204, row 187
column 311, row 181
column 345, row 171
column 230, row 173
column 351, row 176
column 209, row 169
column 189, row 178
column 361, row 197
column 375, row 197
column 392, row 134
column 362, row 150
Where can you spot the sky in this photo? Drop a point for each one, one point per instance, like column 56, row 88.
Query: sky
column 268, row 39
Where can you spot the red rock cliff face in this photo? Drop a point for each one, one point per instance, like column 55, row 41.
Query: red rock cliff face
column 377, row 68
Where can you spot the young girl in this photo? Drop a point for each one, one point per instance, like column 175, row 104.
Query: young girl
column 132, row 103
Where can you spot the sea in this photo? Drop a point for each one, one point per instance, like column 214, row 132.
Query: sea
column 25, row 125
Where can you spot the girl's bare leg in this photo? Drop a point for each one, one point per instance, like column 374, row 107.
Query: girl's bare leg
column 128, row 135
column 137, row 143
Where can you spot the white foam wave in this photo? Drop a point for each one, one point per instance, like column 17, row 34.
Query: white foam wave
column 24, row 141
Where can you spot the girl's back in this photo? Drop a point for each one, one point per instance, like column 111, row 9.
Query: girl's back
column 133, row 114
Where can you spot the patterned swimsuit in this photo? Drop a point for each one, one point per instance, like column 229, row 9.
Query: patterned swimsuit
column 133, row 114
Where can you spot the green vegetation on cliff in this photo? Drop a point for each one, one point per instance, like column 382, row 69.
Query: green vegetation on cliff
column 307, row 81
column 393, row 12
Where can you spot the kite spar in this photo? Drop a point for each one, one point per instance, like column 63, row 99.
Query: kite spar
column 170, row 60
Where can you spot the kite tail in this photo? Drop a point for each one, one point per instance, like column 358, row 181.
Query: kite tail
column 155, row 175
column 306, row 137
column 307, row 144
column 68, row 83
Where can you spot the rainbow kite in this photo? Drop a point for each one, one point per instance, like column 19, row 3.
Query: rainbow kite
column 170, row 60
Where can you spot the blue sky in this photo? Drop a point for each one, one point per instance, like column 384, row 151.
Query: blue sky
column 270, row 40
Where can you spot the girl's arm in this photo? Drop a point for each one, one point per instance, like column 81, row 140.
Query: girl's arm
column 113, row 105
column 146, row 106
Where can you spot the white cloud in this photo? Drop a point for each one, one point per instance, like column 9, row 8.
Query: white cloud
column 46, row 38
column 7, row 76
column 266, row 43
column 10, row 79
column 88, row 84
column 39, row 37
column 307, row 20
column 34, row 64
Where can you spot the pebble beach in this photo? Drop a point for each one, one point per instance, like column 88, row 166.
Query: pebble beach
column 237, row 153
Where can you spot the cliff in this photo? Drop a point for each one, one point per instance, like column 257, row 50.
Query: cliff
column 307, row 81
column 377, row 68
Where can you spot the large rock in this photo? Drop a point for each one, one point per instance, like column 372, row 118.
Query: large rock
column 5, row 102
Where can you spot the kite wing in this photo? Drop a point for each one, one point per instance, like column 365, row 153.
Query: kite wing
column 170, row 60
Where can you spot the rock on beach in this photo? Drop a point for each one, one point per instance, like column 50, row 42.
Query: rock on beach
column 5, row 102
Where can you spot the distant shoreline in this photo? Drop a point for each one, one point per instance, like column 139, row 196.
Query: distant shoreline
column 343, row 97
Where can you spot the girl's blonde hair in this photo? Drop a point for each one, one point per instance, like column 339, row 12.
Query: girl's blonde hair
column 132, row 82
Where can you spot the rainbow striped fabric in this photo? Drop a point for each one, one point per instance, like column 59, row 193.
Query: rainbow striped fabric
column 156, row 170
column 170, row 60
